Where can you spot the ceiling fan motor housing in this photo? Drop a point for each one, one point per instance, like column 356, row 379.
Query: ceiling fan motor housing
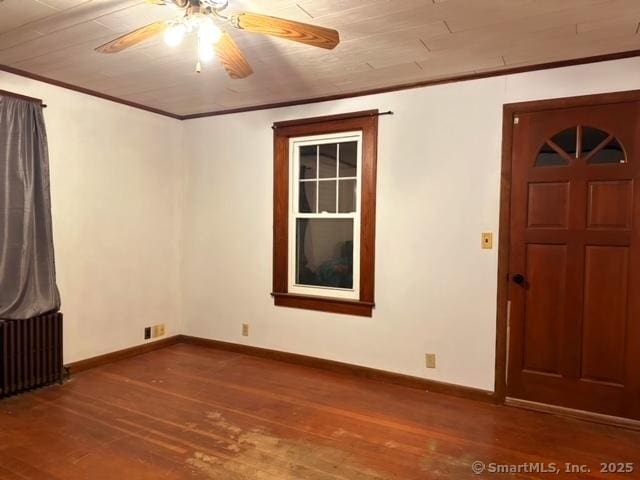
column 213, row 4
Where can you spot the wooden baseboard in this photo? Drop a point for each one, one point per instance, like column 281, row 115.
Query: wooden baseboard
column 93, row 362
column 314, row 362
column 578, row 414
column 346, row 368
column 359, row 371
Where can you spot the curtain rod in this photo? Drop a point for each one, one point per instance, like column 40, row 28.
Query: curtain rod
column 346, row 117
column 23, row 97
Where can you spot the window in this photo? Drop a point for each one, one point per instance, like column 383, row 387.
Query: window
column 324, row 213
column 592, row 145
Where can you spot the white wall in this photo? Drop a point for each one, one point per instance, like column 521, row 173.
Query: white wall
column 438, row 189
column 157, row 220
column 115, row 185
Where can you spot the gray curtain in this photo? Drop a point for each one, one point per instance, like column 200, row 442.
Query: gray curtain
column 27, row 269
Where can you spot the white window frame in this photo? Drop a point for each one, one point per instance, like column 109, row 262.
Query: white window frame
column 294, row 214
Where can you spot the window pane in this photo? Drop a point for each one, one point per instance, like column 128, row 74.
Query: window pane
column 348, row 159
column 591, row 138
column 307, row 203
column 328, row 160
column 612, row 153
column 347, row 196
column 567, row 140
column 327, row 196
column 308, row 161
column 548, row 157
column 324, row 253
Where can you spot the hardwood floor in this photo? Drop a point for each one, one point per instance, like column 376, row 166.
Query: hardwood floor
column 188, row 412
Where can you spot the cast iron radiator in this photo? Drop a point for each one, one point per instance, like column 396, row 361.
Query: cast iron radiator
column 30, row 353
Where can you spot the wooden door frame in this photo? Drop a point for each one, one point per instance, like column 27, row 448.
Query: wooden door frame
column 509, row 112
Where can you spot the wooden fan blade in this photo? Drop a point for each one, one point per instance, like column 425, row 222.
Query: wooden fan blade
column 133, row 38
column 279, row 27
column 232, row 57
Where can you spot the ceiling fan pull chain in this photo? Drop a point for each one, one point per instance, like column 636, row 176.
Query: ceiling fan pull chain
column 198, row 67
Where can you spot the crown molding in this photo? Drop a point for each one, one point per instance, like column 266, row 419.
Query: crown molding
column 87, row 91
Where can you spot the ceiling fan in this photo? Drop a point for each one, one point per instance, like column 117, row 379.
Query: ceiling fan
column 203, row 16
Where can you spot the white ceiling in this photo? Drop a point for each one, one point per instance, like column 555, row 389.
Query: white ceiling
column 384, row 43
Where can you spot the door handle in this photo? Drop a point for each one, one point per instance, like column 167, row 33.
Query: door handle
column 518, row 278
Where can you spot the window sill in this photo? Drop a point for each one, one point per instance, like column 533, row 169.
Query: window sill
column 324, row 304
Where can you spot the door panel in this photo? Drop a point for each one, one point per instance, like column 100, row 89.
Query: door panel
column 610, row 204
column 605, row 313
column 546, row 268
column 548, row 205
column 575, row 312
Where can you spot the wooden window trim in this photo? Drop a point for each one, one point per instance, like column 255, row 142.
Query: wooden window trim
column 367, row 123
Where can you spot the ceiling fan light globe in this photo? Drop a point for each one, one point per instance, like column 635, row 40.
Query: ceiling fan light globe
column 174, row 35
column 205, row 52
column 209, row 32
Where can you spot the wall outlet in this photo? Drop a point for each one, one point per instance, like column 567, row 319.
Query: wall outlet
column 245, row 329
column 147, row 333
column 158, row 330
column 430, row 359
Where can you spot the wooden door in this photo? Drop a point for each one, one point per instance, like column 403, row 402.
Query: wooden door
column 574, row 328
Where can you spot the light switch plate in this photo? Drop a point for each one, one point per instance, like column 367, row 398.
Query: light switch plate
column 487, row 240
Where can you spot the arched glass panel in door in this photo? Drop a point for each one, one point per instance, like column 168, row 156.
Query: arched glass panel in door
column 592, row 145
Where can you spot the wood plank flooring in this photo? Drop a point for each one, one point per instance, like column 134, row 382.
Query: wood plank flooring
column 188, row 412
